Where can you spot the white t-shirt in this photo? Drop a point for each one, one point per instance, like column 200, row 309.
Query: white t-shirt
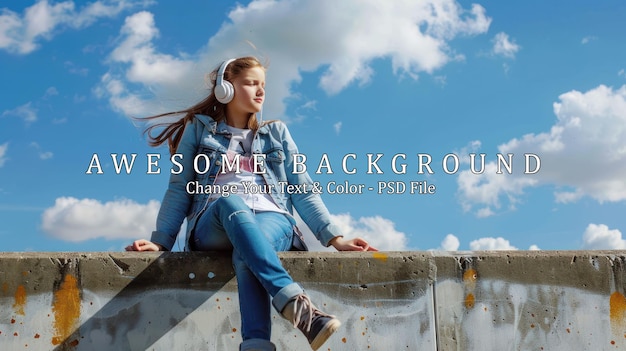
column 256, row 195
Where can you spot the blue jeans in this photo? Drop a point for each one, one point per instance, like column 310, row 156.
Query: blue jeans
column 228, row 223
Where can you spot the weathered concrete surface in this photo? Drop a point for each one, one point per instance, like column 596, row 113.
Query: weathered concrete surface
column 538, row 300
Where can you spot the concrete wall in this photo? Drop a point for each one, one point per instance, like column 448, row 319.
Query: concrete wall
column 537, row 300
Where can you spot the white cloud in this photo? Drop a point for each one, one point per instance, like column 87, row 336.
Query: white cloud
column 78, row 220
column 414, row 35
column 491, row 244
column 600, row 237
column 379, row 232
column 337, row 127
column 588, row 39
column 450, row 243
column 51, row 91
column 74, row 69
column 26, row 112
column 441, row 80
column 583, row 154
column 3, row 153
column 488, row 188
column 44, row 155
column 146, row 65
column 309, row 105
column 484, row 212
column 502, row 46
column 157, row 72
column 21, row 33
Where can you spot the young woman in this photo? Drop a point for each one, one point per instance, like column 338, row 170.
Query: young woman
column 234, row 153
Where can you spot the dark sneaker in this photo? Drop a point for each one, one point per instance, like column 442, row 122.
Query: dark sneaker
column 316, row 325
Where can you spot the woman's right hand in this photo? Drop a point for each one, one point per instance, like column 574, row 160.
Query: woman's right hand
column 144, row 245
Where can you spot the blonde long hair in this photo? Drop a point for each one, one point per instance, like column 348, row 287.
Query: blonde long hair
column 173, row 131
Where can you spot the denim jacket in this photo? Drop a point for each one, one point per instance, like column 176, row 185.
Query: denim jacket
column 205, row 136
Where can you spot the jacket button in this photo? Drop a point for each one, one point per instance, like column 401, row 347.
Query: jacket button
column 218, row 162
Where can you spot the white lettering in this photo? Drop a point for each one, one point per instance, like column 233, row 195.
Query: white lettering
column 152, row 162
column 421, row 164
column 537, row 163
column 123, row 162
column 95, row 163
column 503, row 162
column 393, row 164
column 325, row 163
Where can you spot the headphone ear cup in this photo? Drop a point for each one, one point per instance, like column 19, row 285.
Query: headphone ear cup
column 224, row 92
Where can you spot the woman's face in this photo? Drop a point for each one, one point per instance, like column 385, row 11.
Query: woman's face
column 249, row 91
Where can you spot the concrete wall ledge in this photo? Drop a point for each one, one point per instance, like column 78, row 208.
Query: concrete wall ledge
column 497, row 300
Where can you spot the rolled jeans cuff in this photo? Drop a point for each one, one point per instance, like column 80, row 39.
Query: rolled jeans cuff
column 257, row 344
column 286, row 294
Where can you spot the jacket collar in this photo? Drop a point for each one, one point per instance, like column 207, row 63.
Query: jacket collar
column 220, row 127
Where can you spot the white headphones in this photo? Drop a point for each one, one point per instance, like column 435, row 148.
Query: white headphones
column 223, row 90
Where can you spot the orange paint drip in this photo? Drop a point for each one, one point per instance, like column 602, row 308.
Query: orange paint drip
column 617, row 311
column 380, row 256
column 20, row 300
column 470, row 275
column 470, row 300
column 66, row 309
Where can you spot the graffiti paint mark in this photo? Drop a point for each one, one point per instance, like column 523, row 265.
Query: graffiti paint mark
column 380, row 256
column 469, row 280
column 470, row 301
column 470, row 276
column 66, row 309
column 20, row 300
column 617, row 311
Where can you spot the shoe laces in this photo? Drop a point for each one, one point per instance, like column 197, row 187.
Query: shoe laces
column 304, row 308
column 302, row 303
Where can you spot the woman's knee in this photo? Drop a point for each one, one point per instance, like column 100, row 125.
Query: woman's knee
column 232, row 206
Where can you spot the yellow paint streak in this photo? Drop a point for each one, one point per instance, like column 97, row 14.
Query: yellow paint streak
column 470, row 300
column 66, row 309
column 380, row 256
column 617, row 311
column 20, row 300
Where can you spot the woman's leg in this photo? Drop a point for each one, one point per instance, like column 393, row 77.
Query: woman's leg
column 229, row 220
column 256, row 239
column 254, row 300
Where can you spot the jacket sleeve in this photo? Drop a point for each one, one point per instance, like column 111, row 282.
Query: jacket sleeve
column 309, row 205
column 176, row 201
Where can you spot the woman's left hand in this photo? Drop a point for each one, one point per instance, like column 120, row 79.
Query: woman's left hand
column 356, row 244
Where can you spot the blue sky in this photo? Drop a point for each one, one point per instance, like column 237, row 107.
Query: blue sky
column 349, row 77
